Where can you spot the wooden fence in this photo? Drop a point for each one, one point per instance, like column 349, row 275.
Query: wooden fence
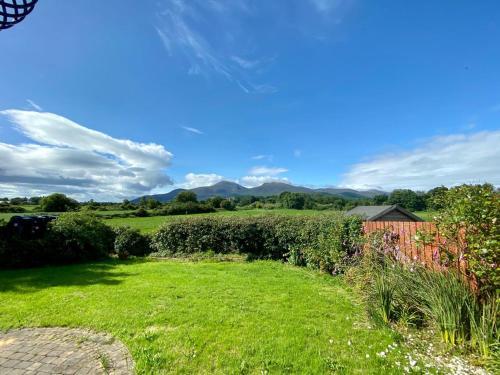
column 427, row 252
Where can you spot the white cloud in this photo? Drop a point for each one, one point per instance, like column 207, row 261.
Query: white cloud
column 192, row 130
column 253, row 181
column 68, row 157
column 447, row 160
column 263, row 170
column 297, row 153
column 245, row 63
column 34, row 105
column 178, row 28
column 263, row 157
column 193, row 180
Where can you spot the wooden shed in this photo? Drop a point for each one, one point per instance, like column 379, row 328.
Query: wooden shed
column 384, row 213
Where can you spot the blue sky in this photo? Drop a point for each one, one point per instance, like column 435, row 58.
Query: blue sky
column 124, row 98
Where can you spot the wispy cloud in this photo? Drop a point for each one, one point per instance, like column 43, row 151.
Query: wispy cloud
column 263, row 157
column 34, row 105
column 179, row 28
column 297, row 153
column 192, row 130
column 263, row 170
column 67, row 157
column 447, row 160
column 326, row 6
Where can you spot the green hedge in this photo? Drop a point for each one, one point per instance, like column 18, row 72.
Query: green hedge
column 323, row 241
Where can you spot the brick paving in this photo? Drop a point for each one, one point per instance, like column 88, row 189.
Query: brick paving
column 43, row 351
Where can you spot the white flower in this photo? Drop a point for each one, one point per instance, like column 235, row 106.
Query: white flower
column 413, row 362
column 349, row 343
column 367, row 356
column 381, row 354
column 331, row 341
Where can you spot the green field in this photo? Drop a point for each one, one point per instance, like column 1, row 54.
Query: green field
column 207, row 317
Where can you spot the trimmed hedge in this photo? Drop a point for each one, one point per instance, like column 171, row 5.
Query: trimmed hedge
column 73, row 237
column 129, row 241
column 325, row 242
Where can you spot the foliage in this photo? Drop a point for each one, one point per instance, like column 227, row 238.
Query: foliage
column 9, row 208
column 73, row 237
column 324, row 242
column 79, row 237
column 186, row 196
column 292, row 200
column 469, row 223
column 399, row 290
column 407, row 199
column 227, row 204
column 57, row 202
column 141, row 212
column 129, row 242
column 184, row 208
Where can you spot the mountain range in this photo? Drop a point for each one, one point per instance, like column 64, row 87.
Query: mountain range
column 229, row 189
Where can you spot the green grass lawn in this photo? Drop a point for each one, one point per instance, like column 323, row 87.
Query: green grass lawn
column 149, row 224
column 206, row 317
column 426, row 215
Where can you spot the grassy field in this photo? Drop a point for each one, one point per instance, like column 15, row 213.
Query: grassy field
column 206, row 317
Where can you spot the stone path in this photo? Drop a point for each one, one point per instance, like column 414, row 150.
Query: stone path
column 43, row 351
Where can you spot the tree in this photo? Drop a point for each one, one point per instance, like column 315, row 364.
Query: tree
column 58, row 202
column 435, row 198
column 380, row 199
column 292, row 200
column 215, row 201
column 152, row 203
column 408, row 199
column 186, row 196
column 227, row 204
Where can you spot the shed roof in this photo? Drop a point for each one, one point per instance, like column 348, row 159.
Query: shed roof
column 374, row 212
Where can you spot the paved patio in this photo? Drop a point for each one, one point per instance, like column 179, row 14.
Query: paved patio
column 68, row 351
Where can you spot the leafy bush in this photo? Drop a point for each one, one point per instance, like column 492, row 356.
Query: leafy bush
column 79, row 237
column 271, row 237
column 11, row 209
column 185, row 208
column 141, row 212
column 130, row 241
column 469, row 222
column 73, row 237
column 57, row 202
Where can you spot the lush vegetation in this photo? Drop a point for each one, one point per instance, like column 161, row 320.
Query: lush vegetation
column 206, row 317
column 325, row 242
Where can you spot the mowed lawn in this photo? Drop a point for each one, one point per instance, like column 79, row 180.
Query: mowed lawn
column 206, row 317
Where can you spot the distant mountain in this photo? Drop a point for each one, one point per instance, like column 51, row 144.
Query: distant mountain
column 229, row 189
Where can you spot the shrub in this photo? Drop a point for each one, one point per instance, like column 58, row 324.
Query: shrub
column 469, row 223
column 270, row 237
column 57, row 203
column 141, row 212
column 227, row 204
column 79, row 237
column 130, row 241
column 11, row 209
column 73, row 237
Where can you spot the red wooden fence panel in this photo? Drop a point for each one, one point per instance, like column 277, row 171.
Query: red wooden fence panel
column 423, row 251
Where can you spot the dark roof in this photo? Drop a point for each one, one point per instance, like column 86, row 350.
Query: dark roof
column 374, row 212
